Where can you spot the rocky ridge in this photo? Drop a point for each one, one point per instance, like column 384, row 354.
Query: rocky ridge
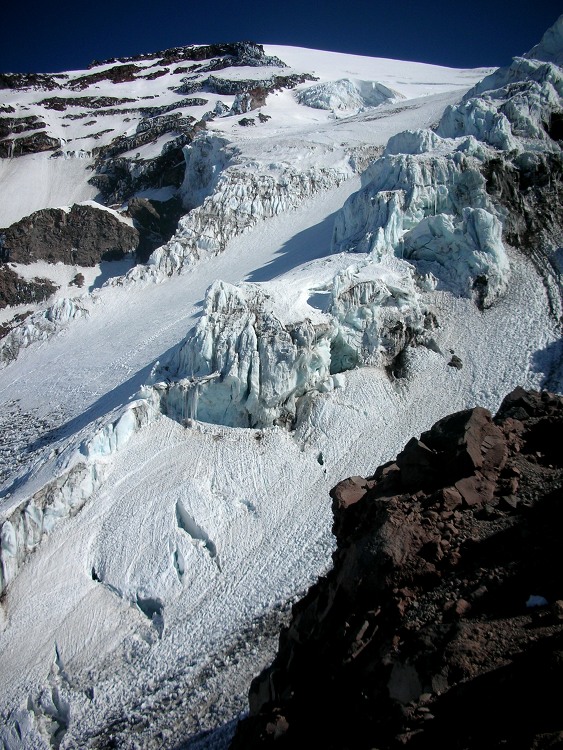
column 83, row 235
column 441, row 622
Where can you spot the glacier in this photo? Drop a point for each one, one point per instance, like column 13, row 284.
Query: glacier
column 160, row 524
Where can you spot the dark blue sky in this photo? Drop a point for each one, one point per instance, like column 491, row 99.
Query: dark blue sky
column 54, row 36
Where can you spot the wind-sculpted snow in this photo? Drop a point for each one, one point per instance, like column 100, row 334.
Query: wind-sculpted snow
column 244, row 366
column 347, row 95
column 80, row 471
column 39, row 327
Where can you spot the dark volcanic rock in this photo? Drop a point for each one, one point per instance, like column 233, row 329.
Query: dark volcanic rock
column 156, row 222
column 530, row 192
column 424, row 635
column 118, row 74
column 28, row 80
column 60, row 103
column 14, row 290
column 118, row 177
column 84, row 236
column 237, row 53
column 29, row 144
column 14, row 125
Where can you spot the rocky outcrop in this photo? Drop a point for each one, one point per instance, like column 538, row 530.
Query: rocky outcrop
column 441, row 622
column 530, row 192
column 237, row 53
column 59, row 103
column 31, row 81
column 28, row 144
column 229, row 86
column 14, row 125
column 14, row 290
column 155, row 221
column 120, row 177
column 84, row 235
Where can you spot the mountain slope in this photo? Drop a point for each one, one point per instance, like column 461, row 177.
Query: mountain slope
column 145, row 531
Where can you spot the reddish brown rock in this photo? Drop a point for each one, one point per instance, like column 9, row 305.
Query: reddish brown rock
column 420, row 635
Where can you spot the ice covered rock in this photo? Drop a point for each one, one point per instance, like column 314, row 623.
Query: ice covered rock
column 345, row 94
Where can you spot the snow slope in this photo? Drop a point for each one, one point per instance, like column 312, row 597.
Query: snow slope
column 171, row 540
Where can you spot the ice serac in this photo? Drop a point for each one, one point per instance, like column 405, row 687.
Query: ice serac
column 241, row 365
column 242, row 196
column 431, row 198
column 432, row 209
column 40, row 326
column 244, row 366
column 345, row 94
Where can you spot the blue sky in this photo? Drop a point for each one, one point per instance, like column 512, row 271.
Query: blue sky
column 50, row 37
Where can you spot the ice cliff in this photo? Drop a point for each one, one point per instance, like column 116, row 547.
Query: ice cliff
column 244, row 365
column 429, row 198
column 79, row 471
column 229, row 196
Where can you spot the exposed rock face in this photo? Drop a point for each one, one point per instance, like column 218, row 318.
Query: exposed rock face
column 236, row 53
column 441, row 623
column 16, row 291
column 60, row 103
column 85, row 235
column 155, row 221
column 30, row 80
column 28, row 144
column 13, row 125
